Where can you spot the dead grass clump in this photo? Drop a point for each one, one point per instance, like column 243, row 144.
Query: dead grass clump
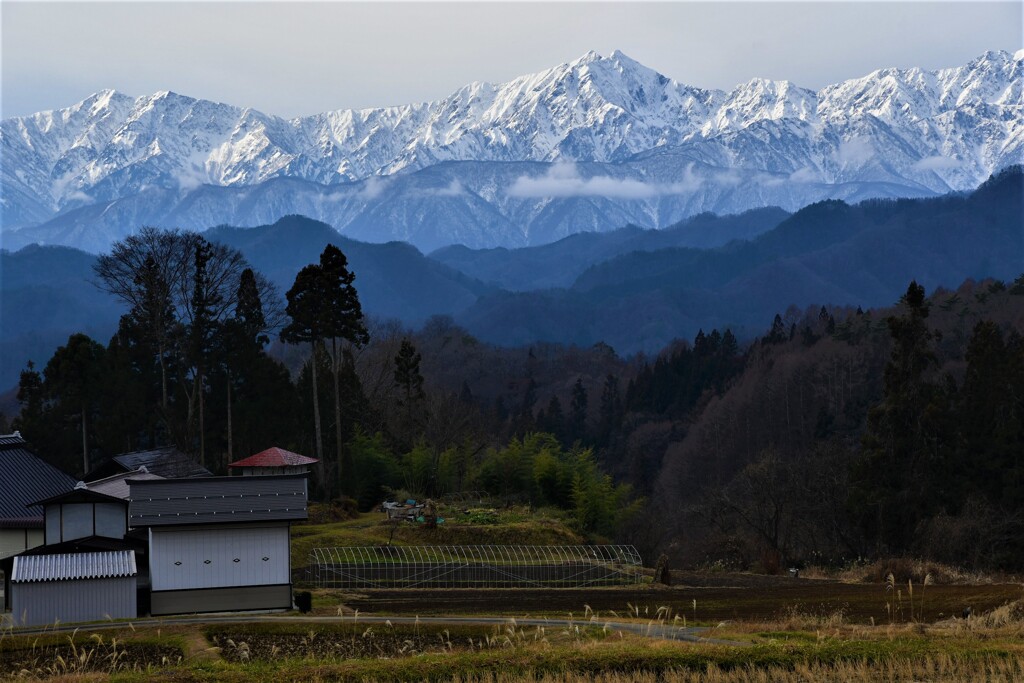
column 796, row 618
column 48, row 657
column 904, row 570
column 940, row 668
column 338, row 510
column 1007, row 619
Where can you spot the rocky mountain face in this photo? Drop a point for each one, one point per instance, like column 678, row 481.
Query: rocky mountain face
column 590, row 145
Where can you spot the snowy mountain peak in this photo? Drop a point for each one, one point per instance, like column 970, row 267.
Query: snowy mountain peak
column 927, row 130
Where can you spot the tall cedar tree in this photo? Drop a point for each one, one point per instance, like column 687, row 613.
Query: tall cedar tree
column 206, row 300
column 323, row 304
column 243, row 340
column 408, row 379
column 578, row 412
column 903, row 445
column 307, row 300
column 344, row 322
column 73, row 379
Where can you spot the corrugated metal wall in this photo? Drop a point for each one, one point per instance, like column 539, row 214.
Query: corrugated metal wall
column 201, row 557
column 44, row 602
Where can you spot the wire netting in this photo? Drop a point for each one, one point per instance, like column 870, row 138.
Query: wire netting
column 474, row 566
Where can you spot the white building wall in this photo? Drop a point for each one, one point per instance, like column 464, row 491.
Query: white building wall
column 111, row 520
column 46, row 602
column 14, row 541
column 189, row 557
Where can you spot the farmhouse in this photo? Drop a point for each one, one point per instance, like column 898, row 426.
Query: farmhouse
column 24, row 479
column 218, row 543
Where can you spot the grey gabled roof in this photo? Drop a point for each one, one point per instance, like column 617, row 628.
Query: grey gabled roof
column 24, row 479
column 217, row 500
column 71, row 566
column 117, row 485
column 165, row 462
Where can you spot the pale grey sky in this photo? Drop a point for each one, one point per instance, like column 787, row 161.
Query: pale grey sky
column 292, row 59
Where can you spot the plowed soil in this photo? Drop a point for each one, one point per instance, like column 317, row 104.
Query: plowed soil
column 718, row 598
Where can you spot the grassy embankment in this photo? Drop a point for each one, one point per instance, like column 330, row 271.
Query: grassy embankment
column 798, row 648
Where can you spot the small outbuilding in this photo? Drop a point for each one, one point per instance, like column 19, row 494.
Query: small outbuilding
column 273, row 461
column 73, row 587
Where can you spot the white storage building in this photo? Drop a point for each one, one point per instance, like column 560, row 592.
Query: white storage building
column 218, row 543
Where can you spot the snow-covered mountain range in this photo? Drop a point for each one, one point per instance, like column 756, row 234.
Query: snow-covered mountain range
column 589, row 145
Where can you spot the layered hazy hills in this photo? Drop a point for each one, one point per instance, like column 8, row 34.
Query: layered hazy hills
column 634, row 289
column 590, row 145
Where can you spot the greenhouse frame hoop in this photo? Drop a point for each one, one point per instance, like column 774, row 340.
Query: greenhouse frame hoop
column 475, row 566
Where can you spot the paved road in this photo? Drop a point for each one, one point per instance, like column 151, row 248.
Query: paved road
column 651, row 630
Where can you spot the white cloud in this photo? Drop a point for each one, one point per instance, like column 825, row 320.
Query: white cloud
column 78, row 196
column 454, row 189
column 805, row 174
column 373, row 187
column 563, row 180
column 936, row 163
column 855, row 151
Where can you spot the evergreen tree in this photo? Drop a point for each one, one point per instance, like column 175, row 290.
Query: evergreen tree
column 611, row 409
column 72, row 380
column 407, row 373
column 307, row 300
column 241, row 349
column 991, row 420
column 30, row 420
column 899, row 479
column 578, row 412
column 343, row 322
column 554, row 418
column 206, row 301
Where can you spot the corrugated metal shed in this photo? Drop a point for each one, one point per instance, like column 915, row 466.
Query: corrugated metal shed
column 73, row 566
column 217, row 500
column 26, row 478
column 274, row 457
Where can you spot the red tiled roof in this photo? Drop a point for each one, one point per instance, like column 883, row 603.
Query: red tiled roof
column 274, row 457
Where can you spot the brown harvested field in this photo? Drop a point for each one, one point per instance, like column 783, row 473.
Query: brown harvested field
column 737, row 597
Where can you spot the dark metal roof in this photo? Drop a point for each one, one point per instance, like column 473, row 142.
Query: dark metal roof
column 80, row 494
column 166, row 462
column 91, row 544
column 217, row 500
column 26, row 478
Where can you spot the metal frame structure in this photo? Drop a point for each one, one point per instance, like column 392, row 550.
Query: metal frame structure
column 474, row 566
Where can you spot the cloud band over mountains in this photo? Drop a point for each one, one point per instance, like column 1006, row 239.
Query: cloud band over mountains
column 563, row 180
